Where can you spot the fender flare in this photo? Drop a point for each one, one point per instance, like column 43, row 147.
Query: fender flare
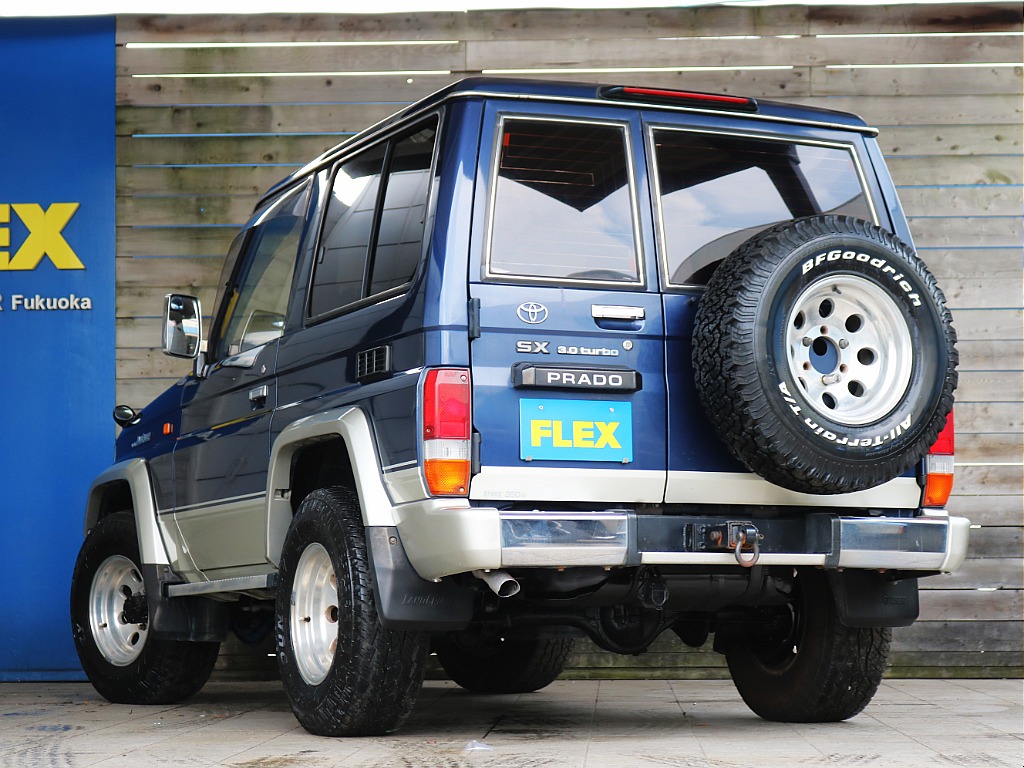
column 352, row 425
column 134, row 472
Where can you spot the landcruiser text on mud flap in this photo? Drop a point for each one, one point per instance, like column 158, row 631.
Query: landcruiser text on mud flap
column 532, row 361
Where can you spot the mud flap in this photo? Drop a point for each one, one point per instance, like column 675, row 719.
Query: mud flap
column 870, row 599
column 407, row 601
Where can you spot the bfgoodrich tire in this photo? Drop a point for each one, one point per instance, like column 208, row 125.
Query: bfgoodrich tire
column 125, row 663
column 343, row 673
column 824, row 355
column 814, row 669
column 496, row 665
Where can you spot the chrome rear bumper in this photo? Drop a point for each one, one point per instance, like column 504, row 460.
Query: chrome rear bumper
column 621, row 538
column 443, row 539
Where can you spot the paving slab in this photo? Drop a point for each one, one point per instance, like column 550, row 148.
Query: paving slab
column 570, row 724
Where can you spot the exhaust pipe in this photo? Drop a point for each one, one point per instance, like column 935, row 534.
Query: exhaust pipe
column 501, row 582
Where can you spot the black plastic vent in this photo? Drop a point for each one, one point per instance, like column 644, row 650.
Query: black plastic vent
column 373, row 364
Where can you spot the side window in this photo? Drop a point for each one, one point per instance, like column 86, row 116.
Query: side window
column 562, row 206
column 716, row 191
column 256, row 300
column 372, row 236
column 347, row 229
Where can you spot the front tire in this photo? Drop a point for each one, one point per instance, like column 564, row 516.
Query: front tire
column 814, row 669
column 125, row 663
column 343, row 673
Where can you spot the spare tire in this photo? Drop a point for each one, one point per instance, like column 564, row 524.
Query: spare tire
column 824, row 355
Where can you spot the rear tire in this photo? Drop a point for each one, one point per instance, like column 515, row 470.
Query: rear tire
column 125, row 663
column 817, row 670
column 343, row 673
column 496, row 665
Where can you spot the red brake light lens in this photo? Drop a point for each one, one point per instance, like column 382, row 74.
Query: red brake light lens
column 446, row 405
column 447, row 429
column 680, row 98
column 944, row 442
column 938, row 467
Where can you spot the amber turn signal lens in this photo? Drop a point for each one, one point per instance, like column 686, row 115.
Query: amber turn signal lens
column 447, row 477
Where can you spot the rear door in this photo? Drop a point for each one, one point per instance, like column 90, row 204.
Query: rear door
column 568, row 364
column 715, row 186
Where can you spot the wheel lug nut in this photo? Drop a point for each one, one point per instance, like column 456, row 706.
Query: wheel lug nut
column 843, row 343
column 807, row 340
column 830, row 378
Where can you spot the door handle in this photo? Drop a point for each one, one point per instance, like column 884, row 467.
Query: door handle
column 616, row 312
column 258, row 395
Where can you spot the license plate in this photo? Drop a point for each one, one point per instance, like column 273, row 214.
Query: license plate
column 575, row 430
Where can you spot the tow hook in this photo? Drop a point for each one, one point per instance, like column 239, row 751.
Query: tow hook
column 737, row 537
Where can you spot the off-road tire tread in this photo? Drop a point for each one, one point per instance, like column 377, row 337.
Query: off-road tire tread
column 836, row 674
column 516, row 666
column 167, row 671
column 372, row 689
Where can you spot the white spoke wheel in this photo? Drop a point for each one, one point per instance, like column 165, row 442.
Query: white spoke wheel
column 119, row 640
column 824, row 355
column 343, row 672
column 314, row 614
column 125, row 658
column 849, row 346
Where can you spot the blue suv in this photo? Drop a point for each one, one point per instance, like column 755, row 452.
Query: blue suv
column 532, row 361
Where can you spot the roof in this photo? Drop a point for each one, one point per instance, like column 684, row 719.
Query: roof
column 638, row 97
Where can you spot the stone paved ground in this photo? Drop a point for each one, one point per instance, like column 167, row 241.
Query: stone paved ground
column 576, row 724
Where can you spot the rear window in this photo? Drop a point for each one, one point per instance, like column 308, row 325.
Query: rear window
column 563, row 206
column 715, row 191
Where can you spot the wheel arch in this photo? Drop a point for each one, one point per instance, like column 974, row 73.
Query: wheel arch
column 338, row 444
column 127, row 486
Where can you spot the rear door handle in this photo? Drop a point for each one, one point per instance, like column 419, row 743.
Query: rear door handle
column 616, row 312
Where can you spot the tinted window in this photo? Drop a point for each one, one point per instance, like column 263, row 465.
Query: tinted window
column 373, row 244
column 348, row 227
column 400, row 239
column 257, row 299
column 562, row 203
column 717, row 191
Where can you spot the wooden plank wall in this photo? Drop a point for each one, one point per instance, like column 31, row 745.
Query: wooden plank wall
column 213, row 109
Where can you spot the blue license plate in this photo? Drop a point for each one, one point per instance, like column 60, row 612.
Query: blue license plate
column 575, row 430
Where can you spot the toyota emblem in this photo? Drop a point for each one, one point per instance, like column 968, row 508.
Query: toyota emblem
column 531, row 312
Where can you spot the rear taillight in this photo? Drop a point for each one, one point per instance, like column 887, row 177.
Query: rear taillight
column 938, row 468
column 447, row 429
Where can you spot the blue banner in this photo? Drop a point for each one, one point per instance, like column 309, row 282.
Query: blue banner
column 57, row 310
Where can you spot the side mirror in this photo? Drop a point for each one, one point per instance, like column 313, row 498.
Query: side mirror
column 183, row 331
column 125, row 415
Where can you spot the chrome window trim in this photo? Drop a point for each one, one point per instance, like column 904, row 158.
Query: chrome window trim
column 640, row 258
column 659, row 217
